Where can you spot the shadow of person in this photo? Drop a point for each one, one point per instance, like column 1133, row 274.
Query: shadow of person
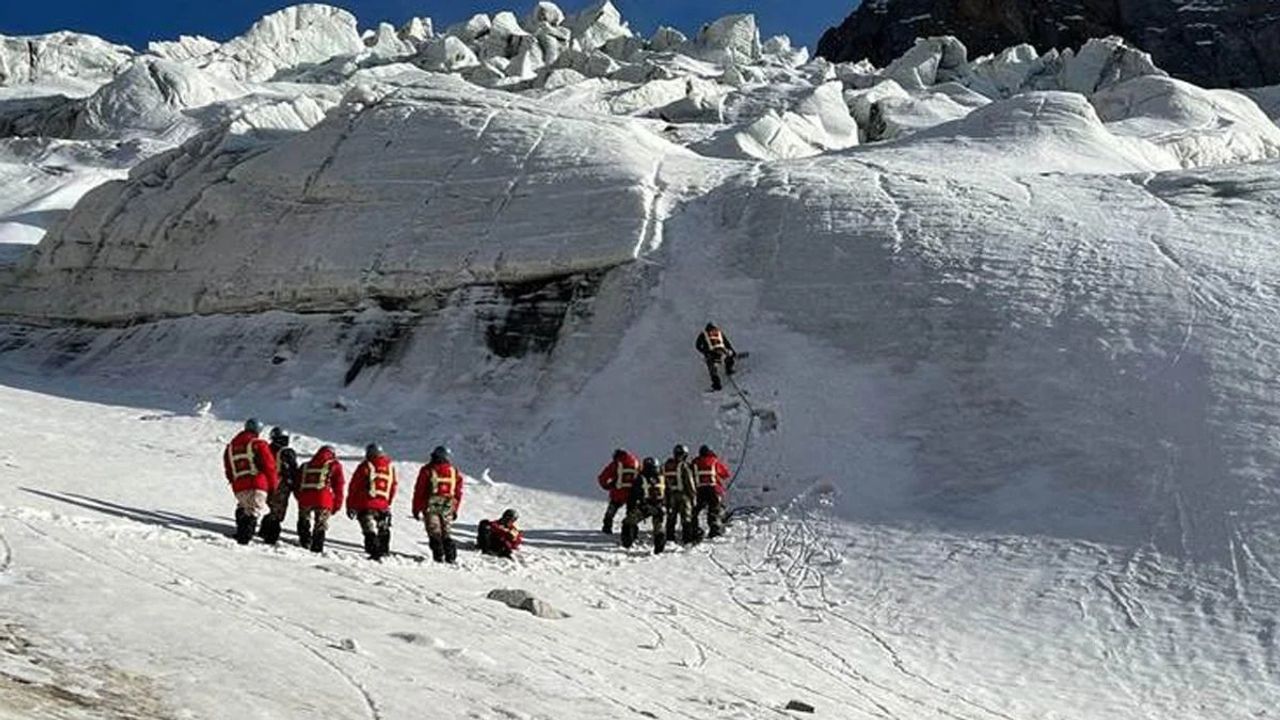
column 161, row 518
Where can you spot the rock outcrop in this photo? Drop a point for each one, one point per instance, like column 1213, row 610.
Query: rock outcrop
column 1213, row 43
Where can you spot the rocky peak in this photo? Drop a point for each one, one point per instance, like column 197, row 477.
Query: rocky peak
column 1214, row 43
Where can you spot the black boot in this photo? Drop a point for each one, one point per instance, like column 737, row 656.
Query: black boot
column 270, row 530
column 317, row 541
column 384, row 543
column 629, row 533
column 371, row 545
column 437, row 549
column 304, row 533
column 450, row 550
column 482, row 537
column 245, row 525
column 659, row 543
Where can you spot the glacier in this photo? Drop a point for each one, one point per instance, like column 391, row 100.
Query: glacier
column 1007, row 415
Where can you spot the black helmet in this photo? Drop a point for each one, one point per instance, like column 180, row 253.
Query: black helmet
column 651, row 463
column 372, row 450
column 704, row 451
column 326, row 449
column 253, row 425
column 710, row 326
column 619, row 455
column 509, row 515
column 680, row 451
column 440, row 454
column 279, row 437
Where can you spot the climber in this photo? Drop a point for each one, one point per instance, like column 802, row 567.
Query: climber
column 319, row 496
column 500, row 537
column 648, row 502
column 373, row 489
column 278, row 501
column 438, row 496
column 617, row 477
column 710, row 474
column 716, row 349
column 682, row 492
column 250, row 467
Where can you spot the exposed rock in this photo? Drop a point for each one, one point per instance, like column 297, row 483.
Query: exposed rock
column 1215, row 44
column 522, row 600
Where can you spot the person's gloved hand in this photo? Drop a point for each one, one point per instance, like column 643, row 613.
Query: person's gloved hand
column 351, row 514
column 417, row 515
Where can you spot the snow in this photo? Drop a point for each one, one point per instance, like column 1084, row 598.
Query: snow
column 1007, row 413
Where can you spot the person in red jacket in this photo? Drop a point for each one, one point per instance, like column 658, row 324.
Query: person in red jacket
column 373, row 489
column 437, row 496
column 250, row 468
column 500, row 537
column 618, row 477
column 711, row 475
column 319, row 495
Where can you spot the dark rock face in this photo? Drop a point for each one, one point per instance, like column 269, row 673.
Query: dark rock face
column 1213, row 43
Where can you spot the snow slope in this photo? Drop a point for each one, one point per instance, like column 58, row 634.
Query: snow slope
column 1007, row 407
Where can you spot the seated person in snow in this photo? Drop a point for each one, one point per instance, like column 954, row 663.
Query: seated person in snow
column 500, row 537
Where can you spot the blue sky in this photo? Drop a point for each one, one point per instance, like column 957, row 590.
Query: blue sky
column 134, row 22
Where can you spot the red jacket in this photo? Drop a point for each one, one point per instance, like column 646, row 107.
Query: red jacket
column 618, row 476
column 508, row 536
column 439, row 479
column 708, row 471
column 322, row 482
column 249, row 464
column 373, row 487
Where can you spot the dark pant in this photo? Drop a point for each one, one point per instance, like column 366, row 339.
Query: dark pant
column 714, row 359
column 710, row 501
column 609, row 514
column 488, row 544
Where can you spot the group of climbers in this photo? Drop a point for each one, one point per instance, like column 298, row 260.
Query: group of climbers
column 672, row 494
column 264, row 476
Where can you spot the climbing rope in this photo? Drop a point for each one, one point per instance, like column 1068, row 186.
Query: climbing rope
column 746, row 441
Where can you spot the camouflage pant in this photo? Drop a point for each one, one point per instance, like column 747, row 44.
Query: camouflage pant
column 314, row 519
column 376, row 526
column 680, row 512
column 637, row 513
column 252, row 503
column 278, row 503
column 439, row 524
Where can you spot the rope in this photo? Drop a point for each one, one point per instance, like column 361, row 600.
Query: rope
column 746, row 441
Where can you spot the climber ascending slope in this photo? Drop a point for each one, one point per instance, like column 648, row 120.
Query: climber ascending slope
column 716, row 349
